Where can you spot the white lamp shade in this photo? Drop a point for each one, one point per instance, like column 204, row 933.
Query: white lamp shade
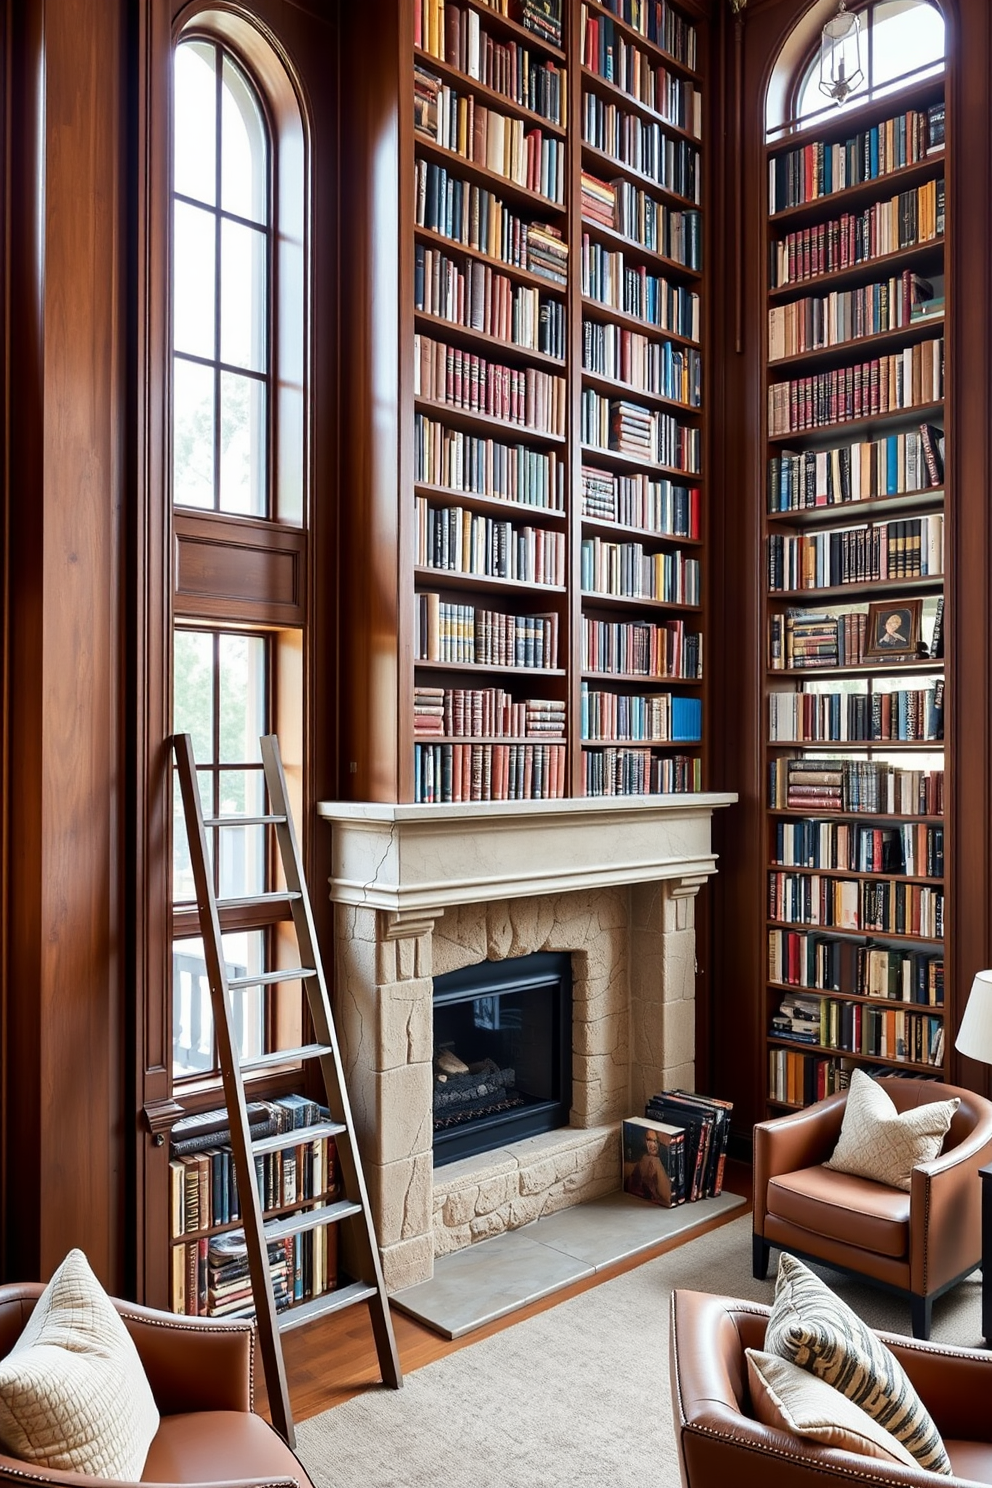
column 975, row 1034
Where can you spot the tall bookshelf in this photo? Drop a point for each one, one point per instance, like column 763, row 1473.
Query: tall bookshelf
column 558, row 512
column 853, row 546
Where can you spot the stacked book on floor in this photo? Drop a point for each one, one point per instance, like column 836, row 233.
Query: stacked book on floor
column 677, row 1151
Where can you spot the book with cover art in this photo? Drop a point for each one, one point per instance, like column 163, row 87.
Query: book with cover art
column 653, row 1161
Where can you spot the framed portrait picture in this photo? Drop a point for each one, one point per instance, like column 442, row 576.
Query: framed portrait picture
column 893, row 630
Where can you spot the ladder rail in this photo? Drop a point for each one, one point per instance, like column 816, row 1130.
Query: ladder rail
column 234, row 1095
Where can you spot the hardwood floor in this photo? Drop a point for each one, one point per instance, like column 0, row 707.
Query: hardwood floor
column 333, row 1360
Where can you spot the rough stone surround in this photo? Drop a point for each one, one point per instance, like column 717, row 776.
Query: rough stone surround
column 633, row 967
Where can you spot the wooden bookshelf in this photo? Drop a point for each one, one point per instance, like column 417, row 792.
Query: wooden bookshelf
column 835, row 300
column 629, row 506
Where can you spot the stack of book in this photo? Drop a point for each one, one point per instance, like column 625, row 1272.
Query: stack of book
column 428, row 710
column 654, row 1161
column 797, row 1019
column 706, row 1123
column 228, row 1292
column 543, row 17
column 598, row 200
column 631, row 429
column 547, row 255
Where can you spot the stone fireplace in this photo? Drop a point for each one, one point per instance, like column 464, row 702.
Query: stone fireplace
column 421, row 891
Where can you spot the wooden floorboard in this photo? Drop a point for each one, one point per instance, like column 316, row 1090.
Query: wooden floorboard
column 334, row 1359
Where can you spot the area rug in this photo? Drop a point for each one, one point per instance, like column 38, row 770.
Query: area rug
column 576, row 1397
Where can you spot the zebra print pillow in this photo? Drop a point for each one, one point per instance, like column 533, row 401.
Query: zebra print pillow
column 819, row 1332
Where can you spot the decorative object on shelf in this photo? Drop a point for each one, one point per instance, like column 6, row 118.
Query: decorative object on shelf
column 841, row 72
column 893, row 628
column 974, row 1037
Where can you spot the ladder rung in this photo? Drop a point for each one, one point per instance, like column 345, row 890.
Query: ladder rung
column 297, row 1135
column 260, row 901
column 336, row 1301
column 298, row 1224
column 269, row 978
column 243, row 821
column 286, row 1056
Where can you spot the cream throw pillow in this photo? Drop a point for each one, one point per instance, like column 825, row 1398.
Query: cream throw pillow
column 877, row 1141
column 811, row 1327
column 73, row 1393
column 792, row 1399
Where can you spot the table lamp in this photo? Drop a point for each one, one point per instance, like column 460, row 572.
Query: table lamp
column 974, row 1037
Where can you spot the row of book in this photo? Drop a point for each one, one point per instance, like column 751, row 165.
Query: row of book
column 210, row 1275
column 889, row 466
column 464, row 634
column 655, row 505
column 882, row 1033
column 907, row 548
column 459, row 37
column 885, row 906
column 904, row 221
column 658, row 718
column 819, row 321
column 915, row 849
column 484, row 712
column 908, row 714
column 475, row 217
column 625, row 569
column 460, row 541
column 605, row 50
column 458, row 122
column 659, row 367
column 873, row 786
column 641, row 145
column 704, row 1122
column 804, row 641
column 630, row 429
column 659, row 22
column 829, row 963
column 489, row 772
column 638, row 772
column 822, row 168
column 528, row 396
column 638, row 648
column 800, row 1079
column 911, row 378
column 625, row 209
column 473, row 295
column 486, row 467
column 609, row 278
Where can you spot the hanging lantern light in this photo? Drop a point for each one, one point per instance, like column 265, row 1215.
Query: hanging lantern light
column 840, row 55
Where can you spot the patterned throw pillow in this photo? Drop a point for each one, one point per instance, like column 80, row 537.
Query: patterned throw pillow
column 816, row 1330
column 73, row 1393
column 793, row 1399
column 877, row 1141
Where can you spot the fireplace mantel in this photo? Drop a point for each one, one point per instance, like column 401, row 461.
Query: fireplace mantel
column 412, row 860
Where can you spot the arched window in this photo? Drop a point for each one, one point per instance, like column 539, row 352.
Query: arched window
column 239, row 477
column 902, row 42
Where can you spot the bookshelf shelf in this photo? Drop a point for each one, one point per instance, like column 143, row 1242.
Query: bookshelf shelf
column 817, row 378
column 516, row 275
column 486, row 669
column 599, row 527
column 486, row 345
column 450, row 578
column 641, row 743
column 596, row 310
column 614, row 94
column 502, row 186
column 593, row 598
column 466, row 418
column 614, row 388
column 490, row 738
column 641, row 680
column 494, row 506
column 462, row 83
column 637, row 251
column 601, row 164
column 620, row 461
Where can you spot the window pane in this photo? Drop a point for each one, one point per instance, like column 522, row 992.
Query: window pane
column 193, row 691
column 906, row 36
column 193, row 280
column 243, row 482
column 192, row 434
column 242, row 296
column 243, row 152
column 183, row 888
column 192, row 1015
column 195, row 121
column 242, row 697
column 242, row 849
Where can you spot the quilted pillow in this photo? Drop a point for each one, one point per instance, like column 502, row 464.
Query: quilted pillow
column 877, row 1141
column 73, row 1394
column 811, row 1327
column 793, row 1399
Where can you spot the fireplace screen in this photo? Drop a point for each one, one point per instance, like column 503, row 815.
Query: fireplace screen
column 502, row 1053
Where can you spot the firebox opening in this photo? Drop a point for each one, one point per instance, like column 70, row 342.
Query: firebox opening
column 502, row 1053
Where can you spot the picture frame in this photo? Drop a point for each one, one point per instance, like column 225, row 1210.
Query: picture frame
column 893, row 629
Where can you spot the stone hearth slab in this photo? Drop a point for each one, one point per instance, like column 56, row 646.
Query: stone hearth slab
column 495, row 1277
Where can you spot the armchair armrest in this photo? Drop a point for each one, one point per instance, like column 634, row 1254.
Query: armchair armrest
column 945, row 1212
column 193, row 1364
column 16, row 1474
column 788, row 1143
column 954, row 1383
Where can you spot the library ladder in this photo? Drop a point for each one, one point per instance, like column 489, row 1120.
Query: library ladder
column 259, row 1233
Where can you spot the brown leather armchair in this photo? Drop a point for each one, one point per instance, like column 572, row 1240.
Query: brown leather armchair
column 200, row 1372
column 722, row 1446
column 918, row 1244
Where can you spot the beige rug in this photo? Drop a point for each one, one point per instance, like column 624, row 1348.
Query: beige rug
column 576, row 1397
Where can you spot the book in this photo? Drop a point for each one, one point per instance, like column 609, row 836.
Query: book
column 654, row 1161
